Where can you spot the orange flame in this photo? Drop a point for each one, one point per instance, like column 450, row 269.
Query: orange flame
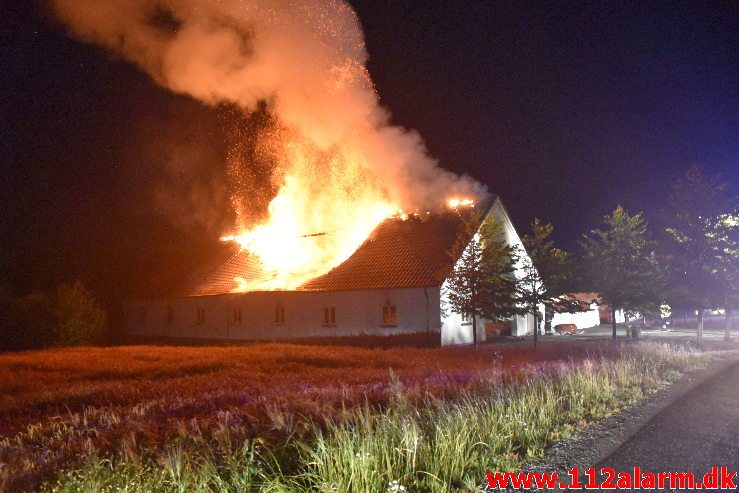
column 327, row 205
column 458, row 202
column 342, row 165
column 309, row 231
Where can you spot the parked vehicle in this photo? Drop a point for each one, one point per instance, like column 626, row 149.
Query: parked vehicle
column 567, row 329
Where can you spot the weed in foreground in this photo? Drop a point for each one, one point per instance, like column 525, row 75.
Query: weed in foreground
column 428, row 444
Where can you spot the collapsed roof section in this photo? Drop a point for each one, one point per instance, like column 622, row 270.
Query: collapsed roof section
column 414, row 251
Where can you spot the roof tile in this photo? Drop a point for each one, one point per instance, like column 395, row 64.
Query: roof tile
column 399, row 253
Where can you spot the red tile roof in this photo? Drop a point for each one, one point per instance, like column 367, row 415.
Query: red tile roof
column 220, row 280
column 399, row 253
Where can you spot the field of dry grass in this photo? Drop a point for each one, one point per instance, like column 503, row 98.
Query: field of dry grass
column 59, row 407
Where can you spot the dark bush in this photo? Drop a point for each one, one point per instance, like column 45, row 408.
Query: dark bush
column 81, row 319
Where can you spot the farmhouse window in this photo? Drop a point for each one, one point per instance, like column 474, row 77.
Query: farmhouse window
column 466, row 319
column 329, row 315
column 237, row 315
column 169, row 317
column 279, row 315
column 389, row 315
column 200, row 316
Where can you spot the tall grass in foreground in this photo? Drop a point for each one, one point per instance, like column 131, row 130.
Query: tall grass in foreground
column 426, row 445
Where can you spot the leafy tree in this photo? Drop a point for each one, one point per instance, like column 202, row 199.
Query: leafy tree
column 621, row 266
column 545, row 274
column 482, row 283
column 703, row 245
column 80, row 317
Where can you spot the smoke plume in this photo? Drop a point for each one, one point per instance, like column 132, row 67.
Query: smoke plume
column 339, row 159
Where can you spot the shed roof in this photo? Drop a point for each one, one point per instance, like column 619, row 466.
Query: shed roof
column 399, row 253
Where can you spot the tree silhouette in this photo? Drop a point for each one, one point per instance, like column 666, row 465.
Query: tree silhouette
column 482, row 283
column 621, row 265
column 703, row 245
column 545, row 274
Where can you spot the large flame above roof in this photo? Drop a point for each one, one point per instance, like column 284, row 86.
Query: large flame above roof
column 326, row 205
column 341, row 167
column 404, row 250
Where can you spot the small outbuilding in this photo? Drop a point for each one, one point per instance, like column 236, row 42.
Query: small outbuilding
column 588, row 315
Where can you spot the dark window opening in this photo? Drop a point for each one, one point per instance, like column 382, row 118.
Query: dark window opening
column 329, row 315
column 389, row 315
column 279, row 315
column 200, row 316
column 237, row 315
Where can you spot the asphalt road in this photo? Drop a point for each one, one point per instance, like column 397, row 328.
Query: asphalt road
column 675, row 334
column 698, row 431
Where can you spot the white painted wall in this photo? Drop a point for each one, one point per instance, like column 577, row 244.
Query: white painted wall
column 357, row 313
column 583, row 320
column 522, row 324
column 453, row 331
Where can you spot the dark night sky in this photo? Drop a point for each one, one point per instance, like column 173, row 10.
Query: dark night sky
column 563, row 109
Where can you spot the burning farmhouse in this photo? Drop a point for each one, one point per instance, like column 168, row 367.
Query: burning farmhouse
column 331, row 255
column 392, row 284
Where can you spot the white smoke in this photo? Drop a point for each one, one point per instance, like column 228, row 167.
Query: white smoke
column 305, row 59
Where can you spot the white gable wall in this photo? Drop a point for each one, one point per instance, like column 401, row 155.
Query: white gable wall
column 456, row 331
column 522, row 324
column 453, row 330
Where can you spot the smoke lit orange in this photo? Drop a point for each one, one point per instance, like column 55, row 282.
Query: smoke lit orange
column 342, row 166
